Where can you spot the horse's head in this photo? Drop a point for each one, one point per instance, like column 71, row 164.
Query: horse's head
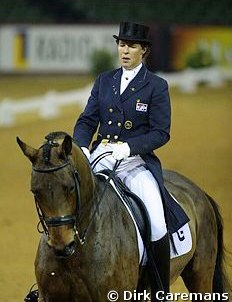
column 55, row 184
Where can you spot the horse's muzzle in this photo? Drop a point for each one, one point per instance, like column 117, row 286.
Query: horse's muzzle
column 67, row 251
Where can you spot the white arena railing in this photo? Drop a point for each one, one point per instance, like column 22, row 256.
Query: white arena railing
column 48, row 106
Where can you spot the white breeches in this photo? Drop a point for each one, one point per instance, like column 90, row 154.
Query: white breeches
column 140, row 181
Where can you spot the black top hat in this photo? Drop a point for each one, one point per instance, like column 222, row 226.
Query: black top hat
column 133, row 32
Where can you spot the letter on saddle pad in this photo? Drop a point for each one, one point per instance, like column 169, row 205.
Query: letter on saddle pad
column 181, row 241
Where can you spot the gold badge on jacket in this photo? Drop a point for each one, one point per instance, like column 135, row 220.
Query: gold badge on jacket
column 128, row 124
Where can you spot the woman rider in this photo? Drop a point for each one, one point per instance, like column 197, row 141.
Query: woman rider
column 130, row 107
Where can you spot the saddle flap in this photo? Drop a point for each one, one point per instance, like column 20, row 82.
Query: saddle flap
column 133, row 202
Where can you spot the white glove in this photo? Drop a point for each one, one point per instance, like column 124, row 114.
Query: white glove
column 86, row 152
column 121, row 151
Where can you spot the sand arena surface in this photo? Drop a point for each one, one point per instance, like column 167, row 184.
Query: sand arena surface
column 200, row 148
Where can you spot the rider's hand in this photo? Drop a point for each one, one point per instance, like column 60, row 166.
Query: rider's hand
column 121, row 151
column 86, row 152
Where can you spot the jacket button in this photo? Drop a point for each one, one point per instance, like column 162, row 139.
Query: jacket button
column 110, row 122
column 119, row 124
column 111, row 110
column 108, row 136
column 116, row 137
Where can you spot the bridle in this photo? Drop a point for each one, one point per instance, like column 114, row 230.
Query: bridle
column 72, row 219
column 56, row 221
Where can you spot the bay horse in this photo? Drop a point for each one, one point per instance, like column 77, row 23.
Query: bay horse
column 89, row 243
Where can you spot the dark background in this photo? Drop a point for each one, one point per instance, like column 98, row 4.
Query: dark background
column 161, row 16
column 210, row 12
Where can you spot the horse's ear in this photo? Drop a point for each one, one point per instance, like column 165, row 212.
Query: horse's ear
column 66, row 147
column 28, row 151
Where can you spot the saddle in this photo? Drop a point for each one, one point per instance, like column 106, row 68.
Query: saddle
column 176, row 218
column 141, row 217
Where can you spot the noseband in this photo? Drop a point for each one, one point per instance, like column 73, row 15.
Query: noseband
column 65, row 219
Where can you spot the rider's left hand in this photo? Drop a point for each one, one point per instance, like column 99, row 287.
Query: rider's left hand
column 121, row 151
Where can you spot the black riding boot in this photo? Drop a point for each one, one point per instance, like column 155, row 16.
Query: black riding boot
column 161, row 254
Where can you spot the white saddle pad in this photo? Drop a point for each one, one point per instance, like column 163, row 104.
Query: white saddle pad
column 182, row 238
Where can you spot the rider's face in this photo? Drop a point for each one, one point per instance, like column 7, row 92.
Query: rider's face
column 130, row 54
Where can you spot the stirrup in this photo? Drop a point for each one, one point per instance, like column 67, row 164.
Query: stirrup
column 33, row 295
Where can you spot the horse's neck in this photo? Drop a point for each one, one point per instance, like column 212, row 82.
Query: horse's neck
column 86, row 176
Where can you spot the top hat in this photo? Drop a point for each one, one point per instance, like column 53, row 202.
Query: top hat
column 133, row 32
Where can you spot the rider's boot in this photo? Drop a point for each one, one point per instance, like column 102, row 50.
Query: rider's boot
column 161, row 253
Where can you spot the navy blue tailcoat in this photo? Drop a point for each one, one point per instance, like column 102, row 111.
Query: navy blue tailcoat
column 139, row 116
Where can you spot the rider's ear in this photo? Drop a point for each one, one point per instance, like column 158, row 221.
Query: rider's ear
column 66, row 146
column 28, row 151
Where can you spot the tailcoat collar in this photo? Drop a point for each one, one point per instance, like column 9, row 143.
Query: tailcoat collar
column 139, row 81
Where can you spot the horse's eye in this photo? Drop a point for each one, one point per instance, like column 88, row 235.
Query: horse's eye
column 72, row 189
column 69, row 189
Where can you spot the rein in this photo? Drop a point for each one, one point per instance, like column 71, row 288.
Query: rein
column 97, row 159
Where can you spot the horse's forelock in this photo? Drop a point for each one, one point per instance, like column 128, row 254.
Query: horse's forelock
column 54, row 136
column 53, row 139
column 52, row 142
